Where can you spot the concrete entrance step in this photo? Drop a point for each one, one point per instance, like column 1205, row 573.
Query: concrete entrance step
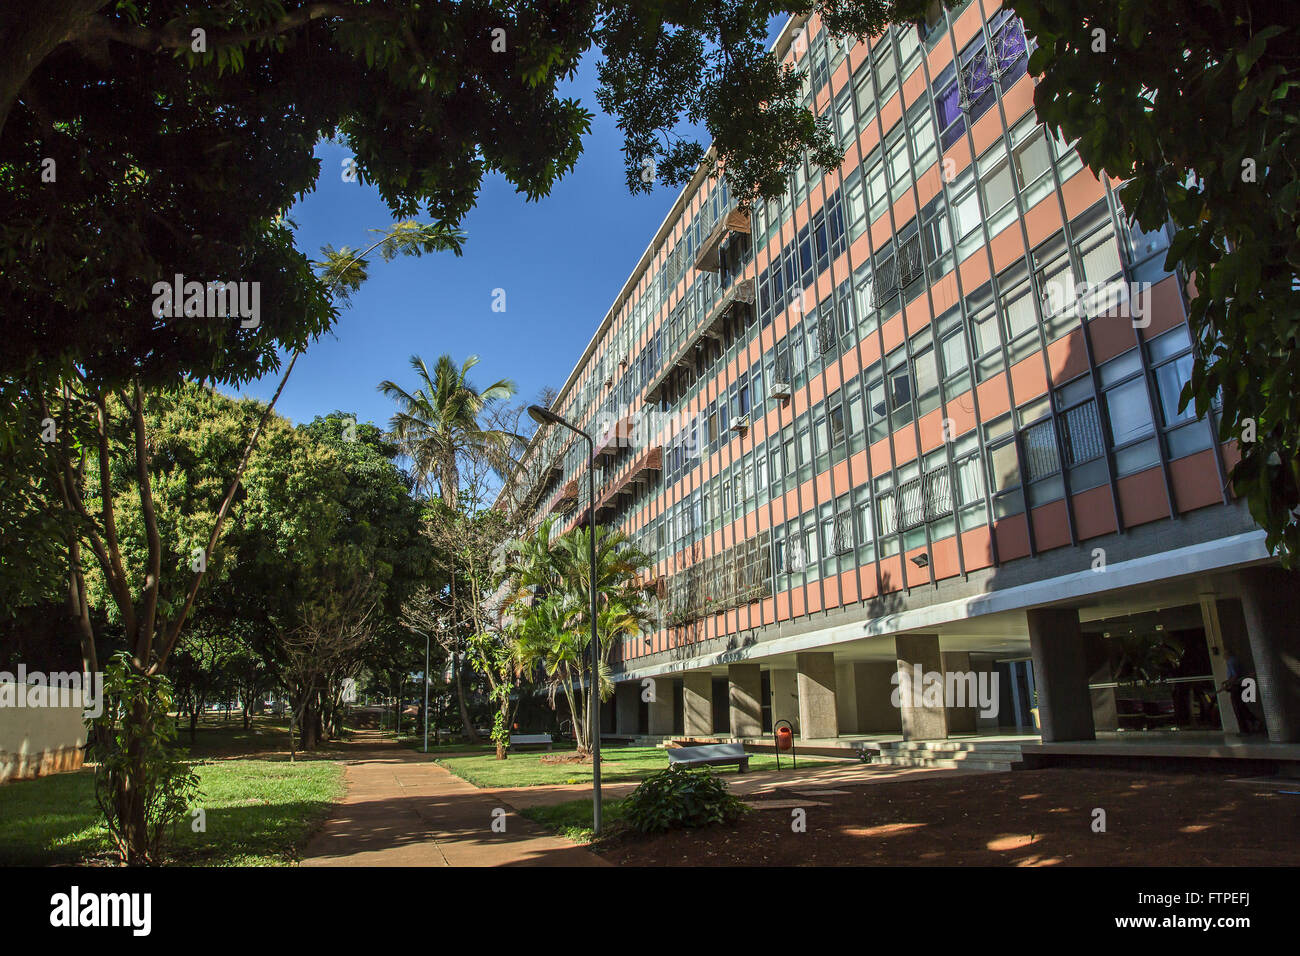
column 969, row 763
column 969, row 754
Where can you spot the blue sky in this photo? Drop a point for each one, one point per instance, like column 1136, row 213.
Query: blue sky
column 561, row 262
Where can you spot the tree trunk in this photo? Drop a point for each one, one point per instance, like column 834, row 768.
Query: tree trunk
column 129, row 798
column 471, row 735
column 307, row 725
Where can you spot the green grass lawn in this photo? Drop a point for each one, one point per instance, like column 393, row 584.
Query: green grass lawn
column 260, row 808
column 573, row 818
column 258, row 813
column 617, row 764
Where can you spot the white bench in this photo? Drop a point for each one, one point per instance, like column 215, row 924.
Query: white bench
column 534, row 740
column 709, row 754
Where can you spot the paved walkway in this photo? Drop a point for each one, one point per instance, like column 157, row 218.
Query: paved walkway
column 403, row 810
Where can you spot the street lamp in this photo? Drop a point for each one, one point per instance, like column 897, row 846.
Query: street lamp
column 544, row 416
column 426, row 686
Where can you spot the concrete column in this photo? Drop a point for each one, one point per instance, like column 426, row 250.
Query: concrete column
column 961, row 720
column 1060, row 674
column 785, row 697
column 627, row 707
column 698, row 700
column 745, row 699
column 875, row 688
column 1105, row 709
column 1270, row 601
column 817, row 711
column 661, row 708
column 1218, row 661
column 918, row 655
column 846, row 698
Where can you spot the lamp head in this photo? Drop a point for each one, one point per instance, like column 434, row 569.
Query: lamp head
column 544, row 416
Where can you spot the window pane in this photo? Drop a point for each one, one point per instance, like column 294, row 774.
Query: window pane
column 1004, row 467
column 1020, row 314
column 1083, row 438
column 997, row 188
column 1032, row 159
column 1040, row 451
column 1170, row 379
column 1129, row 412
column 967, row 212
column 954, row 353
column 1101, row 262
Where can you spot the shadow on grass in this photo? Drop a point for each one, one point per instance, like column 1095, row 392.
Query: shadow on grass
column 254, row 813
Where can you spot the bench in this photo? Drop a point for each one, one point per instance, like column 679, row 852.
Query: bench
column 709, row 754
column 533, row 740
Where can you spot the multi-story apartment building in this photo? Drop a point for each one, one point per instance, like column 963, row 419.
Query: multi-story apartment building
column 919, row 415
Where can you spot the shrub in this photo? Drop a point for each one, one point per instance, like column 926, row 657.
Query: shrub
column 142, row 783
column 677, row 797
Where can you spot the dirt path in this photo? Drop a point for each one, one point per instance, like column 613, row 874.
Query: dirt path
column 403, row 810
column 1022, row 818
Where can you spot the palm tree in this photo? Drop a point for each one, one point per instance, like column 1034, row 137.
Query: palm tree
column 438, row 424
column 552, row 610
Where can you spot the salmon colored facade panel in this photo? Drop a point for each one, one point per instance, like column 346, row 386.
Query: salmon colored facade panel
column 1196, row 481
column 944, row 561
column 1081, row 191
column 977, row 548
column 1068, row 357
column 1051, row 526
column 1111, row 336
column 993, row 398
column 1142, row 497
column 1012, row 535
column 1028, row 378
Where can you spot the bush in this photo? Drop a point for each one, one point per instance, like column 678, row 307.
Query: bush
column 677, row 797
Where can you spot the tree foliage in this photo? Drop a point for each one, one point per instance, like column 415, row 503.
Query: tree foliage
column 1195, row 104
column 549, row 612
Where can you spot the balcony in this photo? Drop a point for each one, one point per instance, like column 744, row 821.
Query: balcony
column 739, row 292
column 568, row 496
column 706, row 258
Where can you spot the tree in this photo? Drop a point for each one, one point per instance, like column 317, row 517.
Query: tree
column 1207, row 96
column 438, row 425
column 550, row 612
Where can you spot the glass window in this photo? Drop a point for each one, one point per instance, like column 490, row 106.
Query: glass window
column 877, row 191
column 1081, row 431
column 947, row 105
column 1004, row 467
column 927, row 380
column 886, row 68
column 1031, row 158
column 984, row 330
column 965, row 207
column 1128, row 412
column 896, row 154
column 1039, row 443
column 1018, row 305
column 953, row 347
column 922, row 132
column 1170, row 379
column 997, row 187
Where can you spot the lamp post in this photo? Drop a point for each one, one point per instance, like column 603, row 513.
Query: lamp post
column 544, row 416
column 426, row 686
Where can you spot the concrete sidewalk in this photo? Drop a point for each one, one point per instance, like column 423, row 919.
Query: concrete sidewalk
column 403, row 810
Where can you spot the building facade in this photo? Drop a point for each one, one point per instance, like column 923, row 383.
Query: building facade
column 919, row 416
